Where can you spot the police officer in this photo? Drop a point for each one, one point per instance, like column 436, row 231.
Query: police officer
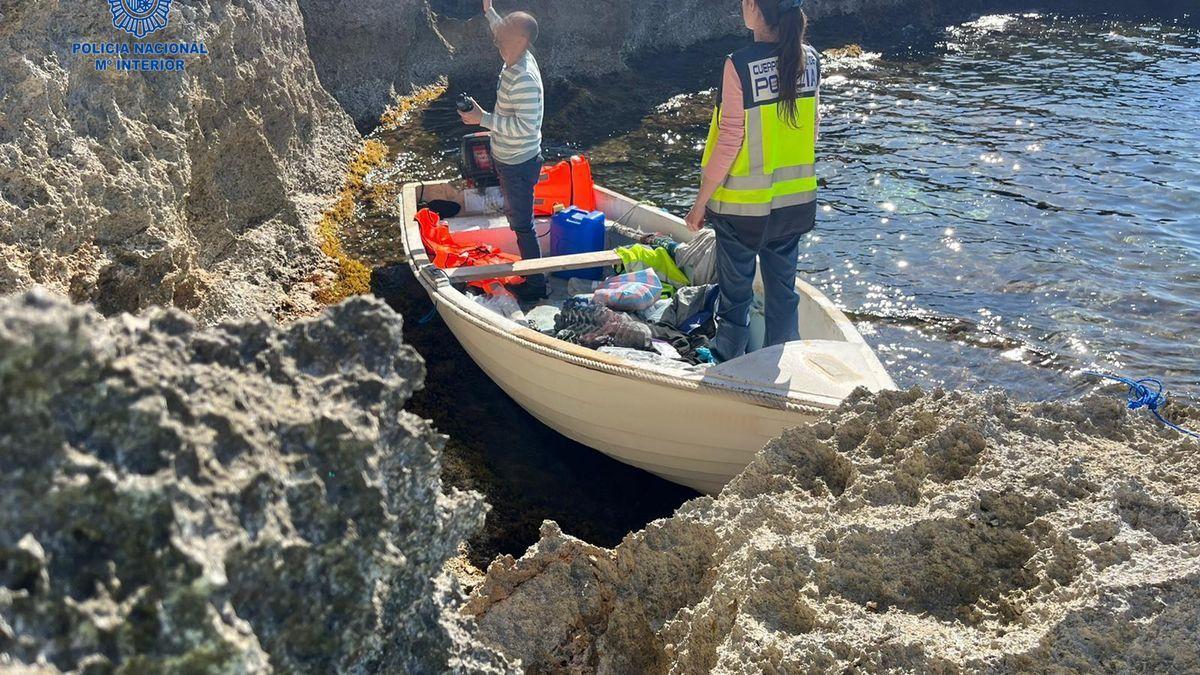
column 758, row 189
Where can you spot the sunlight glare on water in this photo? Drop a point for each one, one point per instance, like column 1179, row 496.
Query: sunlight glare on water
column 1017, row 206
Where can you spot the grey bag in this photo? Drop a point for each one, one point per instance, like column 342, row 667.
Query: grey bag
column 698, row 257
column 687, row 302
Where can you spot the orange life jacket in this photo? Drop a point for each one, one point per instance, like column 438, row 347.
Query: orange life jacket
column 568, row 183
column 447, row 254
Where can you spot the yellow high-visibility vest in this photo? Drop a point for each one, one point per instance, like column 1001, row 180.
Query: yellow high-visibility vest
column 774, row 169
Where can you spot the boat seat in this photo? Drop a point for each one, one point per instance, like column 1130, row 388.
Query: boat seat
column 822, row 369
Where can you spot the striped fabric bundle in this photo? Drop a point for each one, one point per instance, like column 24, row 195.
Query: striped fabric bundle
column 631, row 291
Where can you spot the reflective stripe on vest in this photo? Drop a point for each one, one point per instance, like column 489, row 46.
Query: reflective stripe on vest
column 774, row 168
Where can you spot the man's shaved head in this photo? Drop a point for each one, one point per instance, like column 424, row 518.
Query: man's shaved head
column 523, row 23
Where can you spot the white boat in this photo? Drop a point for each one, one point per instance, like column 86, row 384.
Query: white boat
column 697, row 427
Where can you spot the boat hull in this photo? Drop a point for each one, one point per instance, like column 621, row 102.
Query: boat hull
column 686, row 436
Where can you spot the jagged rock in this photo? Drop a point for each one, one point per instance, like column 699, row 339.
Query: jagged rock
column 910, row 532
column 195, row 189
column 242, row 498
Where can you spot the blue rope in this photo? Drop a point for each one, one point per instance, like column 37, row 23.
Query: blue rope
column 428, row 317
column 1141, row 396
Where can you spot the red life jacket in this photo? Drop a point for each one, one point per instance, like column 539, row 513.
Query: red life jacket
column 448, row 254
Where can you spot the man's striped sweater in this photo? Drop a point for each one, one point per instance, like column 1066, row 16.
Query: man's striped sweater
column 516, row 121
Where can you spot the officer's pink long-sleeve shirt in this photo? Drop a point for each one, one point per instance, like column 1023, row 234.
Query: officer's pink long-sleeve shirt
column 732, row 126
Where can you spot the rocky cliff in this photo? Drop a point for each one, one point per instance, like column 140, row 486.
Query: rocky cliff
column 242, row 498
column 368, row 48
column 369, row 51
column 909, row 532
column 196, row 189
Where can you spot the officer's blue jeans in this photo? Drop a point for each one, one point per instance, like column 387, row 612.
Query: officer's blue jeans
column 735, row 274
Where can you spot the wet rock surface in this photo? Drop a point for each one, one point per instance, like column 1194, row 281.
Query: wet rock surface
column 910, row 532
column 196, row 189
column 243, row 498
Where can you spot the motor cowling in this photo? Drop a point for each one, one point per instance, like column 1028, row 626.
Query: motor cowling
column 475, row 160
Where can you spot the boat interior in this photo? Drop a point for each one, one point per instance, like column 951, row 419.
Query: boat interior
column 829, row 361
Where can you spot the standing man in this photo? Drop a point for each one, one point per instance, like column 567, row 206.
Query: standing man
column 516, row 126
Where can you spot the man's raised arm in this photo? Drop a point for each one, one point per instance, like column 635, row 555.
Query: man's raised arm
column 493, row 17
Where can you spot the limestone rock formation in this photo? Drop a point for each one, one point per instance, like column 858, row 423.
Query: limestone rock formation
column 242, row 498
column 365, row 50
column 368, row 51
column 911, row 532
column 196, row 189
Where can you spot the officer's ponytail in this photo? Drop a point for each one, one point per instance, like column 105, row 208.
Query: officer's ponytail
column 791, row 25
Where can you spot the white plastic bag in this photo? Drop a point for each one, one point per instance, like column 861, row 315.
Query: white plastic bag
column 486, row 200
column 502, row 302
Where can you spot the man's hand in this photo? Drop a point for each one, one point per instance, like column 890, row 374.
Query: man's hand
column 473, row 116
column 695, row 218
column 487, row 6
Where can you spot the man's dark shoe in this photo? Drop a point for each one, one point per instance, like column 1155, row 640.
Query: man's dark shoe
column 530, row 294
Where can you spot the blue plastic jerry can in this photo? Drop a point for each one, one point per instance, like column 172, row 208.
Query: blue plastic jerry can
column 574, row 230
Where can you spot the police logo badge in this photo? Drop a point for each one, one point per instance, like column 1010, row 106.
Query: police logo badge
column 140, row 17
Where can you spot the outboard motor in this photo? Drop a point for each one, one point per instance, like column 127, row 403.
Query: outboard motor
column 475, row 161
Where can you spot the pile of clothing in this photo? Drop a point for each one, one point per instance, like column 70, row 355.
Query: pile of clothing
column 583, row 321
column 652, row 304
column 681, row 333
column 658, row 307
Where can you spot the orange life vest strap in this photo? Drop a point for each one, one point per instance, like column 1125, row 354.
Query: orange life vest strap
column 448, row 254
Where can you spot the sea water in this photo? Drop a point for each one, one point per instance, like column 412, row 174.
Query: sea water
column 1016, row 205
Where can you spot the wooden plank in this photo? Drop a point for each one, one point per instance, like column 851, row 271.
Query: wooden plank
column 524, row 268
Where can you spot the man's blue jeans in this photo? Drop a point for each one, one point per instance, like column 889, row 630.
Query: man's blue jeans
column 517, row 182
column 735, row 274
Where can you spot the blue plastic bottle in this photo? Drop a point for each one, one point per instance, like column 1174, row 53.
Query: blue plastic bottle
column 574, row 230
